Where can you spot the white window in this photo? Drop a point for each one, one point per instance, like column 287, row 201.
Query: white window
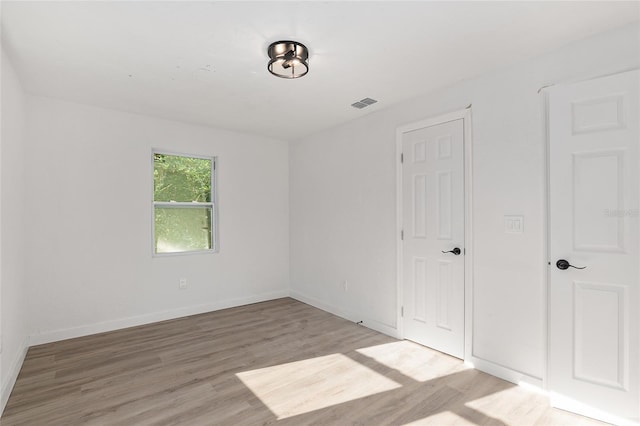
column 184, row 209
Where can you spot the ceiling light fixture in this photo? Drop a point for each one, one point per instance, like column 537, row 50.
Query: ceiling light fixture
column 289, row 59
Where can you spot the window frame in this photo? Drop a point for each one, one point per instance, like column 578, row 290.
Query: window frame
column 213, row 204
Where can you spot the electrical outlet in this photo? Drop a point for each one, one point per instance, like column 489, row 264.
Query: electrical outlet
column 345, row 285
column 183, row 283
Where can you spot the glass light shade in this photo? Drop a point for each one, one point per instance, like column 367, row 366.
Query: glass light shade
column 289, row 59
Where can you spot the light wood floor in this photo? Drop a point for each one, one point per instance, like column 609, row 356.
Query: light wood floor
column 277, row 362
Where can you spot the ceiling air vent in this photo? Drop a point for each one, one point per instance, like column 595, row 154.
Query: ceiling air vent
column 363, row 103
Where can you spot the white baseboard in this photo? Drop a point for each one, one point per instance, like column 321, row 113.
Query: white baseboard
column 351, row 316
column 568, row 404
column 505, row 373
column 9, row 381
column 101, row 327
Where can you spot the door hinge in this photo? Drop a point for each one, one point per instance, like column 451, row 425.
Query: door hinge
column 402, row 234
column 401, row 311
column 402, row 157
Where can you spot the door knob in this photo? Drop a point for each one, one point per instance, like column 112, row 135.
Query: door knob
column 455, row 251
column 563, row 265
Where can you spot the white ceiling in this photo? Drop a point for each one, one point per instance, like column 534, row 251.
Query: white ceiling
column 205, row 62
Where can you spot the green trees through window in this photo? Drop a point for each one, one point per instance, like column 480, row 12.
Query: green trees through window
column 183, row 203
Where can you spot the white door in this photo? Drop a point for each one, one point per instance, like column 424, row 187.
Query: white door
column 594, row 223
column 433, row 223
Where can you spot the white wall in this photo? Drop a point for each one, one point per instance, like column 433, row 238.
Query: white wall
column 88, row 209
column 342, row 190
column 75, row 213
column 13, row 317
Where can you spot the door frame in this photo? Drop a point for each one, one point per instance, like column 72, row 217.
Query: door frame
column 465, row 116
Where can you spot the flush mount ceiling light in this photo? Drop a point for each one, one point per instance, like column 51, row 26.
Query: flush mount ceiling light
column 289, row 59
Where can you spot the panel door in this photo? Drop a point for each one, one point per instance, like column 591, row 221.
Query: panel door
column 594, row 223
column 433, row 222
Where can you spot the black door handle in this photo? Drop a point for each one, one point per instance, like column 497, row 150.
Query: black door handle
column 455, row 251
column 563, row 265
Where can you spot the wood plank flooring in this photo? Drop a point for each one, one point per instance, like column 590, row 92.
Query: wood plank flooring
column 278, row 362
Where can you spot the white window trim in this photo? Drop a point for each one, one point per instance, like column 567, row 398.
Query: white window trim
column 173, row 204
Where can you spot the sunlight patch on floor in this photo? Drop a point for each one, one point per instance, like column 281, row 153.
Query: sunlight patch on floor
column 312, row 384
column 412, row 360
column 443, row 418
column 510, row 404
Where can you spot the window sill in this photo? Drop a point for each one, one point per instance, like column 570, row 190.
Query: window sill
column 185, row 253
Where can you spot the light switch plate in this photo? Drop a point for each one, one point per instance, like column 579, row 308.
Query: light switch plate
column 514, row 224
